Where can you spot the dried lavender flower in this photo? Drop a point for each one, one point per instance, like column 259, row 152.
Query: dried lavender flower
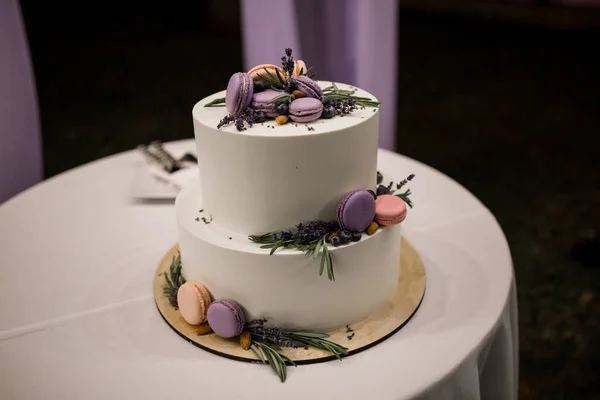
column 344, row 107
column 287, row 63
column 245, row 117
column 404, row 181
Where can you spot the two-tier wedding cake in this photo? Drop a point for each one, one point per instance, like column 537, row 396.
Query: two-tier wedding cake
column 289, row 221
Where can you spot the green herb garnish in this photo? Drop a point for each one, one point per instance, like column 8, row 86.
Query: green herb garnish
column 267, row 342
column 309, row 238
column 284, row 98
column 318, row 340
column 276, row 83
column 404, row 196
column 269, row 353
column 335, row 93
column 393, row 189
column 220, row 102
column 174, row 280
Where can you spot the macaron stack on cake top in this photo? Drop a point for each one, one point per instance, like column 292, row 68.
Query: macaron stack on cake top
column 281, row 224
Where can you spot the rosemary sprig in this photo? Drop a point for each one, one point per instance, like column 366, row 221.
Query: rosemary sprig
column 267, row 342
column 284, row 98
column 335, row 93
column 174, row 280
column 308, row 72
column 318, row 340
column 220, row 102
column 271, row 80
column 404, row 196
column 278, row 76
column 310, row 239
column 269, row 353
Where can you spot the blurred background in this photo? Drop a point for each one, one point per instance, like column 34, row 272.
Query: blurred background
column 503, row 97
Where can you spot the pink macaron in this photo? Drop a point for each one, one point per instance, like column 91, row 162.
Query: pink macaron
column 193, row 301
column 389, row 210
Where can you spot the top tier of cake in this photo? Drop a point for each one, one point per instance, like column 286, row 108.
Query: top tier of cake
column 271, row 177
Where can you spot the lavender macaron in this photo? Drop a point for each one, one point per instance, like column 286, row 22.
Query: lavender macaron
column 309, row 87
column 305, row 109
column 226, row 318
column 356, row 211
column 239, row 92
column 263, row 101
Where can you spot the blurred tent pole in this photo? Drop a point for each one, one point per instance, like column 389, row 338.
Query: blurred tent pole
column 349, row 41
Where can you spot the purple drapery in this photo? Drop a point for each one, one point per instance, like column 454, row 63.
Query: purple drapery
column 20, row 142
column 349, row 41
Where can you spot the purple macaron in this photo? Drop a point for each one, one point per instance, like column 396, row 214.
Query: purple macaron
column 226, row 318
column 305, row 109
column 239, row 92
column 309, row 87
column 263, row 101
column 356, row 210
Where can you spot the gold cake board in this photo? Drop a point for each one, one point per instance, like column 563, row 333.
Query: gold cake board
column 388, row 320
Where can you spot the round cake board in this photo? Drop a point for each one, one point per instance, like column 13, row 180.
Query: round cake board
column 382, row 324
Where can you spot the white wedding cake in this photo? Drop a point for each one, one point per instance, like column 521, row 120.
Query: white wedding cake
column 270, row 180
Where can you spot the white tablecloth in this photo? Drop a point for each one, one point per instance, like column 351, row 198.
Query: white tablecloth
column 78, row 321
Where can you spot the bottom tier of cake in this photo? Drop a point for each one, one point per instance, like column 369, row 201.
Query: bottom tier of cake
column 286, row 287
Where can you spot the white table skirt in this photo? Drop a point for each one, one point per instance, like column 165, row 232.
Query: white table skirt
column 77, row 317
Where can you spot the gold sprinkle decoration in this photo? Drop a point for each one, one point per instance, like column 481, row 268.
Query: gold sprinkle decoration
column 332, row 234
column 298, row 94
column 245, row 340
column 203, row 329
column 373, row 226
column 282, row 119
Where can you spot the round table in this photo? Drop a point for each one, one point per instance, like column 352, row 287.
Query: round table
column 78, row 319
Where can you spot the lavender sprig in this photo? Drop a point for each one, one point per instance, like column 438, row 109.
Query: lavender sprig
column 308, row 238
column 174, row 280
column 392, row 189
column 281, row 337
column 404, row 181
column 246, row 117
column 267, row 341
column 287, row 63
column 273, row 335
column 344, row 107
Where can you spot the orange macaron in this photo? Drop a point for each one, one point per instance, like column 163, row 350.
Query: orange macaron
column 260, row 70
column 299, row 68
